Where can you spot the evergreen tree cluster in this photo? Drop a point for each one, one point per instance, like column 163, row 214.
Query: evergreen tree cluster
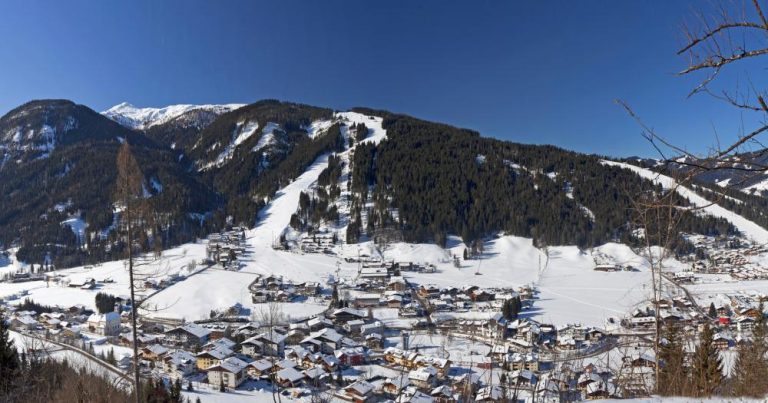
column 105, row 302
column 442, row 180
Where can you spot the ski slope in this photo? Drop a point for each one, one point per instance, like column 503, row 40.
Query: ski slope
column 746, row 227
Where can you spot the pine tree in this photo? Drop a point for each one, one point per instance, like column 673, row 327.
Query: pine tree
column 712, row 311
column 335, row 297
column 673, row 376
column 505, row 310
column 707, row 367
column 9, row 357
column 750, row 370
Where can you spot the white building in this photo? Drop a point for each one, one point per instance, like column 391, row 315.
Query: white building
column 107, row 324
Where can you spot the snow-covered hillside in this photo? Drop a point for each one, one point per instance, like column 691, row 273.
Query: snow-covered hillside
column 144, row 118
column 746, row 227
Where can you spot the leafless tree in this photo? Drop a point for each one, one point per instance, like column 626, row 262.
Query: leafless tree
column 715, row 43
column 270, row 316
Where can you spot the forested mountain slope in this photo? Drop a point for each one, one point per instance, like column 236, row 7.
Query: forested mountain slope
column 208, row 168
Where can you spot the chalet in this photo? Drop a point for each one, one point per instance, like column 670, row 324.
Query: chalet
column 646, row 359
column 393, row 386
column 308, row 289
column 428, row 291
column 745, row 324
column 722, row 341
column 350, row 356
column 367, row 300
column 316, row 376
column 394, row 301
column 442, row 394
column 259, row 369
column 750, row 312
column 397, row 284
column 357, row 392
column 215, row 356
column 289, row 378
column 490, row 394
column 324, row 341
column 600, row 390
column 353, row 326
column 587, row 378
column 189, row 334
column 466, row 383
column 423, row 378
column 344, row 315
column 374, row 341
column 178, row 363
column 107, row 324
column 264, row 344
column 482, row 296
column 523, row 377
column 374, row 275
column 229, row 372
column 519, row 361
column 370, row 328
column 318, row 323
column 24, row 322
column 411, row 394
column 154, row 352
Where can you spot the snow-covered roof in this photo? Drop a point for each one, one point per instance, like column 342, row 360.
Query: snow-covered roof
column 231, row 364
column 290, row 374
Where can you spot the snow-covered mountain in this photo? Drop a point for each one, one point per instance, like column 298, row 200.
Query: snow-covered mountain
column 144, row 118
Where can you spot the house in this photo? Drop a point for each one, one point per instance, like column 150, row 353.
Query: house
column 370, row 328
column 289, row 377
column 522, row 378
column 396, row 283
column 209, row 358
column 490, row 394
column 324, row 341
column 442, row 394
column 154, row 352
column 318, row 323
column 393, row 386
column 374, row 341
column 412, row 395
column 350, row 356
column 229, row 372
column 357, row 392
column 316, row 376
column 267, row 344
column 259, row 369
column 189, row 334
column 24, row 322
column 722, row 341
column 107, row 324
column 353, row 326
column 423, row 378
column 367, row 300
column 178, row 363
column 344, row 315
column 600, row 390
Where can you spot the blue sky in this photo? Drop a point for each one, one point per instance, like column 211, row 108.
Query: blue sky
column 526, row 71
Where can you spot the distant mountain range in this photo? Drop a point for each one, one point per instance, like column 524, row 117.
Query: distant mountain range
column 209, row 166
